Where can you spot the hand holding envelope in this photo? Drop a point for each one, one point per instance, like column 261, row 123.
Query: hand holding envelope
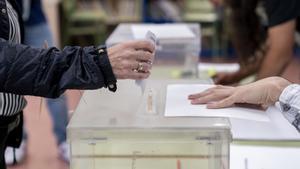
column 152, row 38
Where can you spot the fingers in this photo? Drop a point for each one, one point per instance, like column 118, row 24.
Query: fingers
column 133, row 75
column 141, row 67
column 132, row 60
column 207, row 92
column 227, row 102
column 144, row 56
column 216, row 97
column 140, row 75
column 198, row 95
column 142, row 45
column 210, row 98
column 135, row 66
column 132, row 70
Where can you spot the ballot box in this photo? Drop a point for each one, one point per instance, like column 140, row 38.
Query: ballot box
column 178, row 46
column 128, row 130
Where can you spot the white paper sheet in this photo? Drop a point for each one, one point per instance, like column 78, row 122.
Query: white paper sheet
column 277, row 129
column 259, row 157
column 163, row 31
column 150, row 36
column 177, row 104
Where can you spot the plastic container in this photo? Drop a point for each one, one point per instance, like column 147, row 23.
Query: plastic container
column 119, row 131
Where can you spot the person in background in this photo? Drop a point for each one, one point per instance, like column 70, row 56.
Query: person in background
column 263, row 93
column 263, row 53
column 49, row 72
column 37, row 32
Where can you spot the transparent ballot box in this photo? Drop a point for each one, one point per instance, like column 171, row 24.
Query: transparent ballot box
column 128, row 130
column 178, row 47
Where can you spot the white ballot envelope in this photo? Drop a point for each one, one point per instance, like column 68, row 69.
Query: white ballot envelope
column 152, row 38
column 163, row 31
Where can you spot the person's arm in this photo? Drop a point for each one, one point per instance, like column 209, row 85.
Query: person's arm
column 279, row 49
column 290, row 104
column 225, row 78
column 264, row 92
column 279, row 52
column 48, row 73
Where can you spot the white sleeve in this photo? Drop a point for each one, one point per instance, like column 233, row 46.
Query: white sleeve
column 290, row 104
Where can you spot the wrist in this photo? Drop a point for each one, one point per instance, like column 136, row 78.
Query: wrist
column 106, row 68
column 279, row 84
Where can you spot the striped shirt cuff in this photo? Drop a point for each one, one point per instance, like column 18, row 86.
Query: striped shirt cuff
column 290, row 104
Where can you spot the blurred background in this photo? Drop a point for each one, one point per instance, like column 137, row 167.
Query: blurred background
column 91, row 22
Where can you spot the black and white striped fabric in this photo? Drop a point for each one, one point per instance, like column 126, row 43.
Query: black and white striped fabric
column 14, row 27
column 11, row 104
column 290, row 104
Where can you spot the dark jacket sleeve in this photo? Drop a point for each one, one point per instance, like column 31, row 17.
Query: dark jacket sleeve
column 49, row 72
